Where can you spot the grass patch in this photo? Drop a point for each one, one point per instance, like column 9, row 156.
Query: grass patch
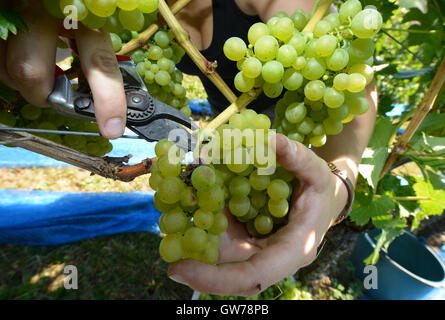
column 125, row 266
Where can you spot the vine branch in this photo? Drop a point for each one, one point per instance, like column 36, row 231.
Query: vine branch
column 425, row 106
column 105, row 167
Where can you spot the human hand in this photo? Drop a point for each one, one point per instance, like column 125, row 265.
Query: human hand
column 248, row 265
column 27, row 64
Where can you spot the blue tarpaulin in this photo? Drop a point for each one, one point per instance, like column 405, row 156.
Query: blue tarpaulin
column 51, row 218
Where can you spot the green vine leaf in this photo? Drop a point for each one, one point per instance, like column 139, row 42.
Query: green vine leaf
column 377, row 151
column 392, row 230
column 366, row 209
column 435, row 204
column 10, row 21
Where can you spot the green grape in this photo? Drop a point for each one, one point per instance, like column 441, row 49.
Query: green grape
column 333, row 19
column 238, row 121
column 299, row 63
column 81, row 12
column 251, row 67
column 309, row 50
column 239, row 186
column 332, row 127
column 242, row 83
column 366, row 23
column 149, row 77
column 174, row 220
column 361, row 49
column 314, row 90
column 239, row 205
column 306, row 126
column 314, row 69
column 170, row 248
column 333, row 98
column 341, row 82
column 326, row 45
column 292, row 80
column 161, row 205
column 162, row 78
column 258, row 200
column 322, row 28
column 259, row 182
column 295, row 112
column 220, row 224
column 212, row 199
column 94, row 22
column 52, row 6
column 187, row 111
column 358, row 105
column 214, row 238
column 338, row 60
column 263, row 224
column 203, row 219
column 266, row 48
column 364, row 69
column 161, row 38
column 256, row 31
column 30, row 112
column 194, row 239
column 203, row 178
column 137, row 55
column 317, row 141
column 116, row 42
column 234, row 48
column 340, row 113
column 75, row 142
column 163, row 147
column 168, row 168
column 7, row 118
column 170, row 190
column 210, row 254
column 128, row 5
column 349, row 9
column 148, row 6
column 262, row 122
column 272, row 71
column 155, row 180
column 283, row 29
column 348, row 119
column 318, row 129
column 112, row 24
column 281, row 14
column 131, row 20
column 357, row 82
column 273, row 90
column 298, row 42
column 278, row 207
column 278, row 189
column 299, row 20
column 101, row 8
column 251, row 214
column 163, row 64
column 286, row 55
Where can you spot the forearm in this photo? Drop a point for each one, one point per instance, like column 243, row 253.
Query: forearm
column 346, row 148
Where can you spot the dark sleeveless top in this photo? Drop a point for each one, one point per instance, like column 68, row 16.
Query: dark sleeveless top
column 228, row 21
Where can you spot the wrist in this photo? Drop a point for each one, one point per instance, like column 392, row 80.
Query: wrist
column 344, row 194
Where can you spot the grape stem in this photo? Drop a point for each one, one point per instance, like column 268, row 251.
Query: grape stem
column 96, row 165
column 201, row 62
column 321, row 8
column 150, row 31
column 425, row 106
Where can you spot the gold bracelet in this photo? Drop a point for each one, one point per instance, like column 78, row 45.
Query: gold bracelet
column 349, row 187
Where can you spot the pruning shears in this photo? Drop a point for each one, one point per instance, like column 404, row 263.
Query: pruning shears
column 148, row 117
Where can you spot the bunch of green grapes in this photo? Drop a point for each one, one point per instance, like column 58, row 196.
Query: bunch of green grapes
column 324, row 73
column 112, row 15
column 29, row 116
column 257, row 197
column 123, row 19
column 191, row 206
column 157, row 67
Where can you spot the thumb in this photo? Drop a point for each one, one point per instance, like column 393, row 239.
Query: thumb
column 302, row 162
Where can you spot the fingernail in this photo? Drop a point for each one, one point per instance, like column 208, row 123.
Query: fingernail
column 178, row 278
column 114, row 128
